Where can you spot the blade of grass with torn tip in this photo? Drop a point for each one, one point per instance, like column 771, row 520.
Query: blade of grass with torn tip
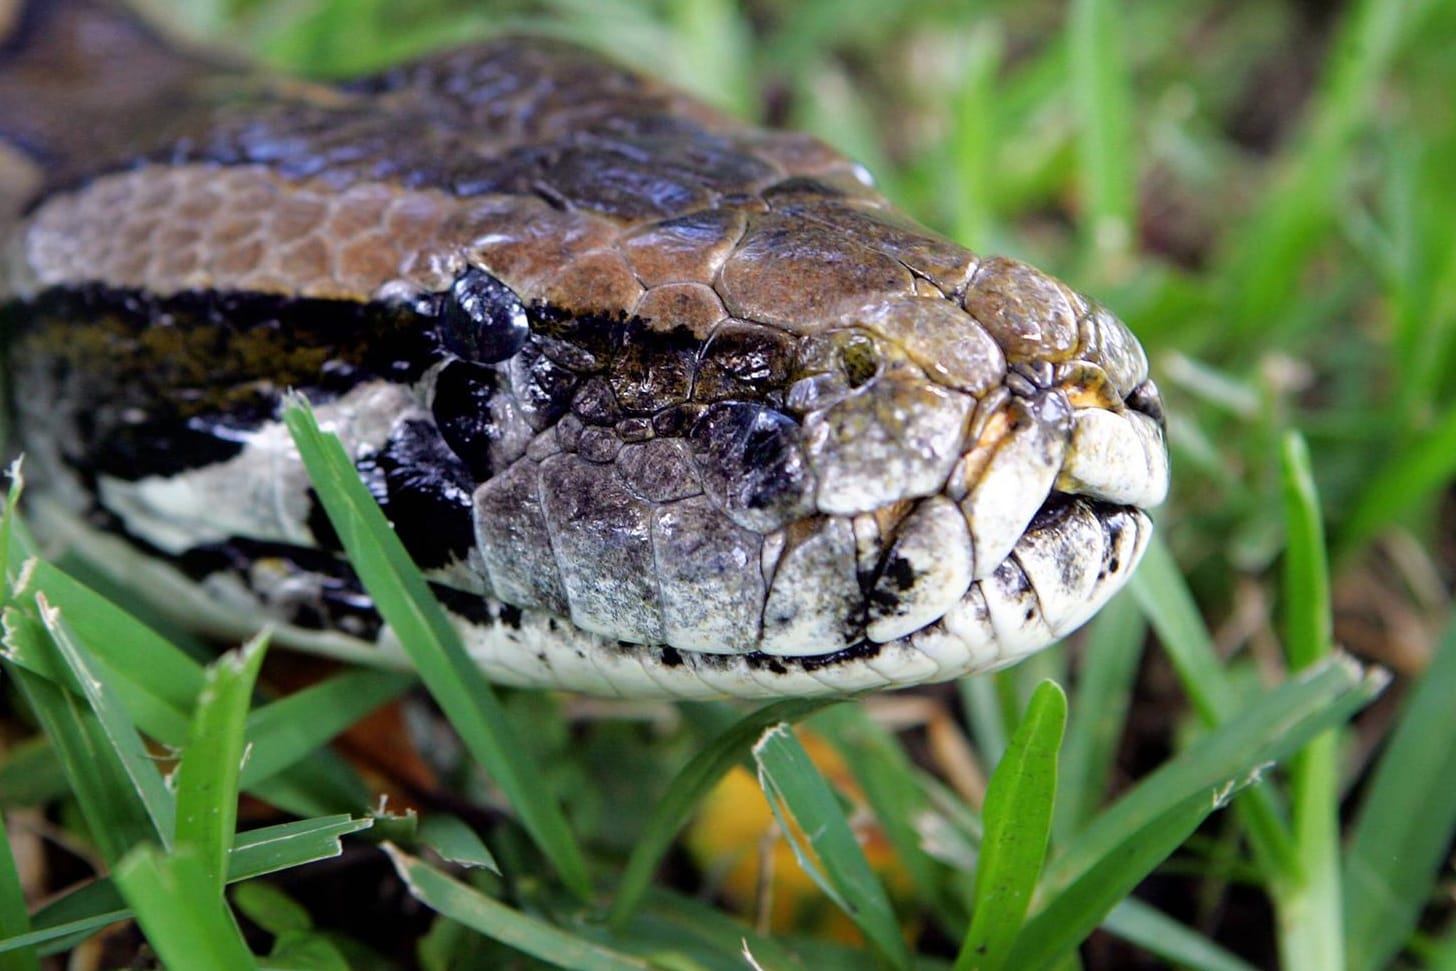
column 1075, row 909
column 456, row 842
column 206, row 781
column 255, row 853
column 125, row 744
column 152, row 715
column 811, row 818
column 183, row 916
column 1271, row 728
column 14, row 917
column 156, row 685
column 527, row 934
column 457, row 684
column 1162, row 936
column 1405, row 824
column 133, row 651
column 113, row 809
column 1017, row 817
column 1309, row 903
column 1110, row 655
column 688, row 788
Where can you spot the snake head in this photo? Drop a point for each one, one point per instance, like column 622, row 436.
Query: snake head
column 988, row 460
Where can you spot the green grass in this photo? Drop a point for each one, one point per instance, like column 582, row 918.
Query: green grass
column 1265, row 195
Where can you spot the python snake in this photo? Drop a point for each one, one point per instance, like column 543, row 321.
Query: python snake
column 662, row 404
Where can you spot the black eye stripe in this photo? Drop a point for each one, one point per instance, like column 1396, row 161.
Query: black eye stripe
column 481, row 319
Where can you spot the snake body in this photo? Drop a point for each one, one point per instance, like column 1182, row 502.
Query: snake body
column 662, row 404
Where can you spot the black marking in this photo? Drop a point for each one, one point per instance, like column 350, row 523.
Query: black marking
column 427, row 495
column 481, row 319
column 861, row 651
column 461, row 407
column 671, row 657
column 317, row 590
column 478, row 610
column 470, row 607
column 901, row 576
column 510, row 615
column 141, row 385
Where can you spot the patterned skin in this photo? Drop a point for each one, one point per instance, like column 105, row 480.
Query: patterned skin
column 664, row 404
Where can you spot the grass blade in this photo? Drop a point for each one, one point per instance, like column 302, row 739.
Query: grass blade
column 405, row 602
column 1168, row 604
column 1405, row 825
column 1018, row 819
column 140, row 660
column 156, row 684
column 1075, row 909
column 181, row 912
column 1160, row 935
column 207, row 776
column 113, row 809
column 1102, row 94
column 14, row 919
column 495, row 920
column 813, row 821
column 1309, row 905
column 895, row 791
column 687, row 790
column 1270, row 729
column 255, row 853
column 125, row 746
column 1424, row 464
column 1260, row 260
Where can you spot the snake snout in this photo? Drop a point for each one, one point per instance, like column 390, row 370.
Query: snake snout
column 1039, row 517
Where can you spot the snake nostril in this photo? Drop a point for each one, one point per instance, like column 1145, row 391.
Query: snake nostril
column 1146, row 399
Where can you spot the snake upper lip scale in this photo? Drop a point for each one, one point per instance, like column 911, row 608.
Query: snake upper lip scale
column 662, row 404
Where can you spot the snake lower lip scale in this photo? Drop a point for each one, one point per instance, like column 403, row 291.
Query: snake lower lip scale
column 661, row 403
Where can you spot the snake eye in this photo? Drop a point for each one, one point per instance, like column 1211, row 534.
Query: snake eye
column 482, row 320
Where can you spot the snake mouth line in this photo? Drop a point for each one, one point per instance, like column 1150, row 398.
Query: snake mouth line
column 1034, row 596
